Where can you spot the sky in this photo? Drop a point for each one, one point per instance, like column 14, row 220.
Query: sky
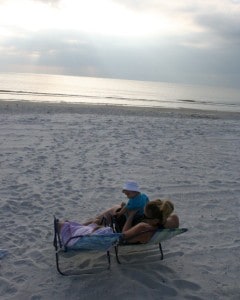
column 187, row 41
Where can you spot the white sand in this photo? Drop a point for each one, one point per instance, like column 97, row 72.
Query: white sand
column 54, row 161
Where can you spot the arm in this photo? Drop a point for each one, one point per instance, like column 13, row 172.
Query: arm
column 141, row 232
column 128, row 223
column 106, row 214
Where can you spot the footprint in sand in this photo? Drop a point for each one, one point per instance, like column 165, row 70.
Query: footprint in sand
column 20, row 279
column 187, row 285
column 6, row 287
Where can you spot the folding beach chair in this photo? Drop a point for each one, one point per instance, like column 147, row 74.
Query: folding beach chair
column 106, row 242
column 158, row 237
column 91, row 242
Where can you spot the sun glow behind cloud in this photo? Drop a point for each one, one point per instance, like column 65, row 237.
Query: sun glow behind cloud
column 26, row 15
column 93, row 16
column 109, row 18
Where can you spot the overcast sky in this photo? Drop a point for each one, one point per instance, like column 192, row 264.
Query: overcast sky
column 186, row 41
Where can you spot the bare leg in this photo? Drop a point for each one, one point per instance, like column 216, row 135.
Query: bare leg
column 60, row 225
column 107, row 214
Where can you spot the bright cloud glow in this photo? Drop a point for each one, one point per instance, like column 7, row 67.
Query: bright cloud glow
column 103, row 17
column 107, row 17
column 27, row 15
column 93, row 16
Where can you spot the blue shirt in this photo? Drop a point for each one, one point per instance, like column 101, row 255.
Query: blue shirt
column 138, row 202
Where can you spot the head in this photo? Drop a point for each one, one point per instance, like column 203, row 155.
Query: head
column 153, row 213
column 131, row 189
column 158, row 211
column 167, row 208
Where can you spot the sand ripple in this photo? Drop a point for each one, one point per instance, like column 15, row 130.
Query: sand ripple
column 73, row 165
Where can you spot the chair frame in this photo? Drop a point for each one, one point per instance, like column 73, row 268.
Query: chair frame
column 59, row 247
column 116, row 248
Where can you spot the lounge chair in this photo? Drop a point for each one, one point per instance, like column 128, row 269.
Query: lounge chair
column 105, row 243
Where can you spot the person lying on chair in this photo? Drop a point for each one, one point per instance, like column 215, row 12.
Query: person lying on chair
column 70, row 229
column 158, row 214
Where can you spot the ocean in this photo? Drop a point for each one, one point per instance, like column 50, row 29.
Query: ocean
column 105, row 91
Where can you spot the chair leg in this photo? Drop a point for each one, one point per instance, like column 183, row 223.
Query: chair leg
column 56, row 243
column 116, row 254
column 161, row 251
column 58, row 267
column 109, row 259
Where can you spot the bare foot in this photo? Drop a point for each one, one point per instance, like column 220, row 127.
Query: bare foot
column 60, row 225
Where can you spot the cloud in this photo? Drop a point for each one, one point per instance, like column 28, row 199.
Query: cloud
column 205, row 50
column 78, row 54
column 53, row 2
column 71, row 51
column 75, row 53
column 222, row 25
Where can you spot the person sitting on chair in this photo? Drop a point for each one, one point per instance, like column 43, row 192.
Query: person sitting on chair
column 136, row 202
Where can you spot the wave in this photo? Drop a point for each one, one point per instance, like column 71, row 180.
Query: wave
column 61, row 95
column 206, row 102
column 36, row 93
column 107, row 98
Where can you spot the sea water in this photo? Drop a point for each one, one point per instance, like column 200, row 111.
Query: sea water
column 105, row 91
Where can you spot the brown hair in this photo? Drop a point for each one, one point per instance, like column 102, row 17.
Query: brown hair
column 159, row 209
column 167, row 208
column 153, row 211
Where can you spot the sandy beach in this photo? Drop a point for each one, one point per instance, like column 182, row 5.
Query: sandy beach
column 71, row 161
